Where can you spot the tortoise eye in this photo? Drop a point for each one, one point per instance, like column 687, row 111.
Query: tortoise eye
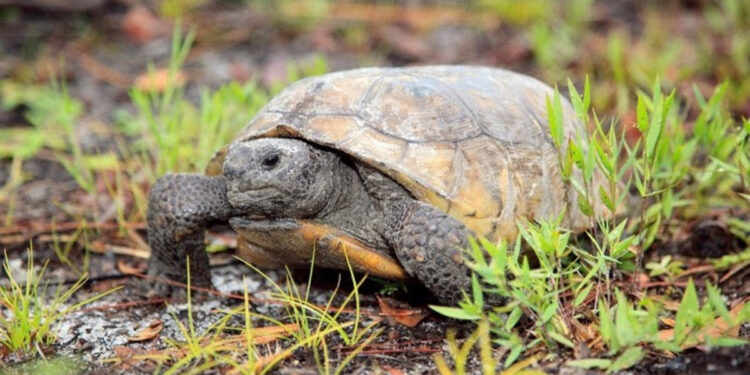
column 270, row 161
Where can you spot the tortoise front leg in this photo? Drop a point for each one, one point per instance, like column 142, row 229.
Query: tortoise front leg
column 180, row 207
column 429, row 244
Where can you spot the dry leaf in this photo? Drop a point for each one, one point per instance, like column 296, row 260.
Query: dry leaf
column 669, row 322
column 409, row 317
column 159, row 80
column 102, row 286
column 720, row 328
column 139, row 358
column 127, row 268
column 148, row 333
column 668, row 304
column 265, row 335
column 641, row 279
column 98, row 246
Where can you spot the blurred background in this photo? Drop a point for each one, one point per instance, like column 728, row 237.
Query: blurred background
column 104, row 46
column 100, row 97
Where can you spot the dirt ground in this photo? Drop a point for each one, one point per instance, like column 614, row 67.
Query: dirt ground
column 107, row 44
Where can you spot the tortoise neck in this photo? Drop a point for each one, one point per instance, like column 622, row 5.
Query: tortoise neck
column 348, row 193
column 353, row 208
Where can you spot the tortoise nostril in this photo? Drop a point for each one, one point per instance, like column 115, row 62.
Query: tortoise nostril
column 270, row 161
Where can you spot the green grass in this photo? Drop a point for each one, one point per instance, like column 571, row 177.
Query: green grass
column 262, row 341
column 316, row 323
column 53, row 114
column 28, row 314
column 569, row 291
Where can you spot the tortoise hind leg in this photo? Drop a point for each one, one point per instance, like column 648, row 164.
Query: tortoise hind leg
column 180, row 207
column 429, row 245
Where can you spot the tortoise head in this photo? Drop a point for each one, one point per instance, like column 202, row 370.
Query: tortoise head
column 279, row 177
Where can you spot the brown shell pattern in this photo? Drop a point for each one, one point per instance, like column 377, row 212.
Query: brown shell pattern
column 471, row 141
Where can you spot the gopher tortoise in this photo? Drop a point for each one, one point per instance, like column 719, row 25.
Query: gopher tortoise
column 386, row 170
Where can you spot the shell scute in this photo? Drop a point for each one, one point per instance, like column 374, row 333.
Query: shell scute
column 417, row 109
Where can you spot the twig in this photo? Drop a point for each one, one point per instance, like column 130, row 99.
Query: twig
column 733, row 271
column 699, row 269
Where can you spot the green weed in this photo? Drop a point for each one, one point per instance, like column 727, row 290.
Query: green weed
column 676, row 174
column 28, row 316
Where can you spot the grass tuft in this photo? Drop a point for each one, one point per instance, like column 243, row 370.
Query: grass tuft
column 28, row 316
column 262, row 342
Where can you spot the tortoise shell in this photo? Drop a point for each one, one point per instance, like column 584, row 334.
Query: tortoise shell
column 472, row 141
